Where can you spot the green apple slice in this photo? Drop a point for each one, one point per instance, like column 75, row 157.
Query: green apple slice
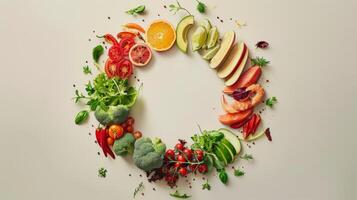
column 229, row 146
column 181, row 32
column 199, row 38
column 220, row 155
column 233, row 61
column 206, row 24
column 233, row 78
column 208, row 55
column 212, row 37
column 226, row 45
column 232, row 138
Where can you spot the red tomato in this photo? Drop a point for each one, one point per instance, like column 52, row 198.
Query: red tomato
column 183, row 171
column 202, row 168
column 126, row 34
column 170, row 154
column 192, row 167
column 124, row 69
column 199, row 154
column 130, row 121
column 188, row 153
column 125, row 45
column 181, row 159
column 110, row 68
column 177, row 164
column 179, row 146
column 115, row 53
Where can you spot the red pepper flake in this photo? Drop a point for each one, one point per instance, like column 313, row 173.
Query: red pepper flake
column 262, row 44
column 267, row 133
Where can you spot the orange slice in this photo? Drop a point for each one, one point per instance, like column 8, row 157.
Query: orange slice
column 160, row 35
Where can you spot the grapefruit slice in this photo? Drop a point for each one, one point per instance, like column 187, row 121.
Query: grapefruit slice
column 160, row 35
column 140, row 54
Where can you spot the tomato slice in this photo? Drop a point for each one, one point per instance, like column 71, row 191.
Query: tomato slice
column 115, row 53
column 110, row 68
column 124, row 69
column 125, row 34
column 125, row 45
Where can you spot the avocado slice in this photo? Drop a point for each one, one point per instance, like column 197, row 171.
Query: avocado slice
column 232, row 138
column 220, row 155
column 181, row 32
column 229, row 146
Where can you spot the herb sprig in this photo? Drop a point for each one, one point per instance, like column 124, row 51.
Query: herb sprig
column 247, row 157
column 175, row 8
column 136, row 11
column 139, row 188
column 260, row 61
column 102, row 172
column 177, row 194
column 238, row 172
column 206, row 186
column 271, row 101
column 86, row 70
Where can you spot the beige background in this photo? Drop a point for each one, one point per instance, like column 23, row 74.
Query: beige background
column 45, row 43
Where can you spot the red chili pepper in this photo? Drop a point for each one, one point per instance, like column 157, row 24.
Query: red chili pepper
column 240, row 124
column 125, row 34
column 97, row 136
column 106, row 146
column 109, row 38
column 102, row 141
column 251, row 126
column 256, row 123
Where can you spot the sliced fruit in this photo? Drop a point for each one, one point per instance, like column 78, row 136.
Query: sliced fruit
column 229, row 147
column 226, row 153
column 206, row 24
column 226, row 45
column 229, row 118
column 160, row 35
column 212, row 37
column 181, row 32
column 232, row 138
column 249, row 77
column 251, row 137
column 233, row 61
column 220, row 155
column 226, row 107
column 208, row 55
column 198, row 38
column 140, row 55
column 236, row 74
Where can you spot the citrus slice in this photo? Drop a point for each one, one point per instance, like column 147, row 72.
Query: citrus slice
column 140, row 54
column 208, row 55
column 212, row 37
column 160, row 35
column 199, row 38
column 206, row 24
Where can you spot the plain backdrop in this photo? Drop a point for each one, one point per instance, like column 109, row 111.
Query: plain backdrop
column 44, row 45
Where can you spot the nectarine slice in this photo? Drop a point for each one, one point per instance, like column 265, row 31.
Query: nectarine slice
column 229, row 118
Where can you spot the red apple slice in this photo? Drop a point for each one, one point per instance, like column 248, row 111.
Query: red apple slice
column 249, row 77
column 226, row 46
column 233, row 60
column 226, row 107
column 229, row 119
column 235, row 76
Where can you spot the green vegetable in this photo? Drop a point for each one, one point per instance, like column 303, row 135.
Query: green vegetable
column 201, row 7
column 145, row 156
column 238, row 172
column 139, row 188
column 113, row 115
column 206, row 140
column 81, row 117
column 102, row 172
column 271, row 101
column 247, row 157
column 175, row 8
column 86, row 70
column 206, row 186
column 137, row 10
column 223, row 176
column 124, row 145
column 97, row 52
column 259, row 61
column 158, row 145
column 178, row 195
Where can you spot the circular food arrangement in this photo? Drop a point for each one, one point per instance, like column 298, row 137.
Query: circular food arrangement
column 110, row 96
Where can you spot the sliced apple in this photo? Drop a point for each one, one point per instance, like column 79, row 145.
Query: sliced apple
column 235, row 76
column 229, row 118
column 226, row 45
column 233, row 60
column 249, row 77
column 226, row 107
column 232, row 138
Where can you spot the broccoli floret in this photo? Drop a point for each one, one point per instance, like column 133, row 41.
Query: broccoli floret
column 145, row 156
column 159, row 146
column 124, row 145
column 114, row 115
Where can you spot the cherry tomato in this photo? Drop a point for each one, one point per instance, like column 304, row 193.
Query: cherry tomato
column 110, row 141
column 170, row 154
column 137, row 134
column 125, row 34
column 125, row 44
column 179, row 146
column 202, row 168
column 188, row 153
column 181, row 158
column 183, row 171
column 199, row 154
column 177, row 165
column 130, row 121
column 130, row 129
column 115, row 131
column 115, row 53
column 124, row 69
column 192, row 168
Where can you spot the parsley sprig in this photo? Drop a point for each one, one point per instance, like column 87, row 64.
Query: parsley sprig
column 86, row 70
column 102, row 172
column 271, row 101
column 238, row 172
column 260, row 61
column 206, row 186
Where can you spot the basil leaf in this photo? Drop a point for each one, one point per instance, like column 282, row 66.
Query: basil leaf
column 137, row 10
column 81, row 117
column 97, row 52
column 178, row 195
column 223, row 176
column 201, row 7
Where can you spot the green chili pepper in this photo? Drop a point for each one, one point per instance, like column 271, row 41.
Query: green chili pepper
column 81, row 117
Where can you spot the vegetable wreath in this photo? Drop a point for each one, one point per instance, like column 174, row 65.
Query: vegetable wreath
column 110, row 96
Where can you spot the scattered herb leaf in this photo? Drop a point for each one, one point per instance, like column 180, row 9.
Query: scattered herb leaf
column 97, row 52
column 136, row 11
column 240, row 24
column 175, row 8
column 206, row 186
column 86, row 70
column 201, row 7
column 262, row 44
column 139, row 188
column 247, row 157
column 238, row 172
column 102, row 172
column 260, row 61
column 78, row 96
column 267, row 133
column 81, row 117
column 271, row 101
column 180, row 196
column 223, row 176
